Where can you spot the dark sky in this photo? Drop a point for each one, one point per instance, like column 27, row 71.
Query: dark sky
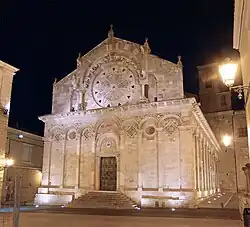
column 43, row 39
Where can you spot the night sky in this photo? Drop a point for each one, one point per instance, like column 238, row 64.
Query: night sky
column 43, row 39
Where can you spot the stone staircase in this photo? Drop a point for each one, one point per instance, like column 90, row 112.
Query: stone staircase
column 104, row 200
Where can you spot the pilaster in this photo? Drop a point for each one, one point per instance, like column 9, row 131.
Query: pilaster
column 78, row 152
column 139, row 136
column 121, row 165
column 63, row 163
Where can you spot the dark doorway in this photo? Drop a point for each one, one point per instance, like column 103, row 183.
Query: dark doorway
column 108, row 174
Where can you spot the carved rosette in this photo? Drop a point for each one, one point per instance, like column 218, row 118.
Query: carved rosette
column 72, row 135
column 113, row 80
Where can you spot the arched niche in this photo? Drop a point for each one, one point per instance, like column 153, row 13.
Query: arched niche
column 107, row 144
column 107, row 126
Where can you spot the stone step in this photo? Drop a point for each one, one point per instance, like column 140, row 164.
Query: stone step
column 104, row 200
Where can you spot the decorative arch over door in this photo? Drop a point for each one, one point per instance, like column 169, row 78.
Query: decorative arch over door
column 107, row 164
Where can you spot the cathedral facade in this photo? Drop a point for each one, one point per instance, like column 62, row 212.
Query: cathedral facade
column 120, row 122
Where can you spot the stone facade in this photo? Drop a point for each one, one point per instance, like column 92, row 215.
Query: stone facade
column 6, row 76
column 26, row 150
column 125, row 103
column 217, row 106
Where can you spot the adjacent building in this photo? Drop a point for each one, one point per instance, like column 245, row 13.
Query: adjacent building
column 120, row 123
column 26, row 150
column 219, row 110
column 6, row 76
column 241, row 42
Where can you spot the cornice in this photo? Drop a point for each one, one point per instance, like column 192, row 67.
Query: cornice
column 128, row 108
column 205, row 126
column 8, row 67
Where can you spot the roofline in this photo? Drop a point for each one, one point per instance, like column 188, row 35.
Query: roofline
column 101, row 43
column 14, row 130
column 8, row 67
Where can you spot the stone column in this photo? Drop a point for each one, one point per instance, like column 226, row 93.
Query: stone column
column 198, row 163
column 202, row 164
column 209, row 169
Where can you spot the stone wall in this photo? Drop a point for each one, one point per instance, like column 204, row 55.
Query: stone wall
column 115, row 73
column 155, row 146
column 232, row 123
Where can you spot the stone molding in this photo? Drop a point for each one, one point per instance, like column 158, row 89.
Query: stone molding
column 122, row 110
column 119, row 109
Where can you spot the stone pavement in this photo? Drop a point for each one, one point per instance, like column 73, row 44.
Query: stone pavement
column 66, row 220
column 229, row 200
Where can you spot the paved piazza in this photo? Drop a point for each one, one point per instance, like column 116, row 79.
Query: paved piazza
column 63, row 220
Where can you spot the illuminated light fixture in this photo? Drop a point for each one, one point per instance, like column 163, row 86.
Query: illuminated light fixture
column 37, row 206
column 20, row 136
column 6, row 110
column 209, row 202
column 228, row 71
column 173, row 209
column 227, row 140
column 9, row 162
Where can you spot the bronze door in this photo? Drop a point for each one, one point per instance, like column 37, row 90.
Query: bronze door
column 108, row 168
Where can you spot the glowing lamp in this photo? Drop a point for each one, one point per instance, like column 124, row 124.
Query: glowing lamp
column 227, row 140
column 228, row 72
column 9, row 162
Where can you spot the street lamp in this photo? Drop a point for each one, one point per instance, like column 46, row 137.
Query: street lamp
column 227, row 140
column 228, row 72
column 7, row 163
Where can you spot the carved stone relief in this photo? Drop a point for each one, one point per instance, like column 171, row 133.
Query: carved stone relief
column 130, row 127
column 87, row 133
column 170, row 125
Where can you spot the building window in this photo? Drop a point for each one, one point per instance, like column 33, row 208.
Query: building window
column 223, row 100
column 27, row 152
column 242, row 132
column 208, row 84
column 146, row 90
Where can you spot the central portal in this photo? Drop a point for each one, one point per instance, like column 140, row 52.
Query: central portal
column 108, row 174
